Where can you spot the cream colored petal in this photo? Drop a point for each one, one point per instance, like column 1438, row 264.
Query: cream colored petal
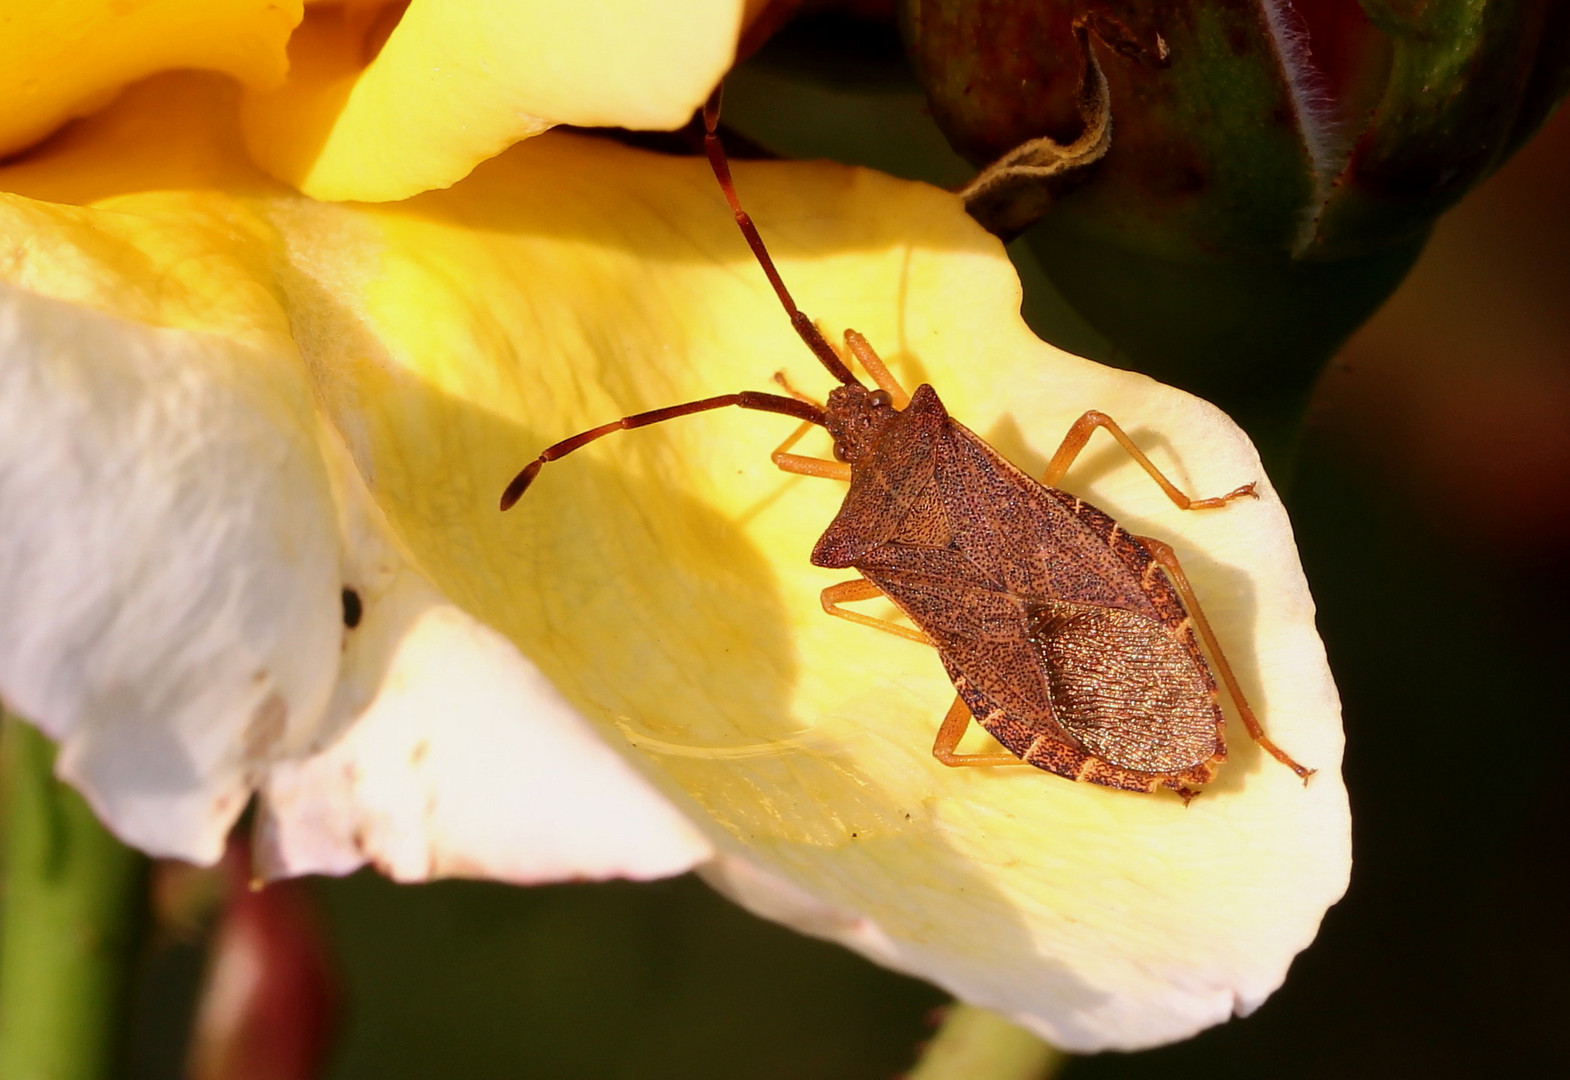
column 169, row 564
column 659, row 579
column 459, row 758
column 469, row 764
column 181, row 533
column 380, row 106
column 60, row 60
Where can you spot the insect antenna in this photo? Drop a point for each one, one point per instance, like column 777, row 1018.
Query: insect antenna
column 747, row 399
column 804, row 326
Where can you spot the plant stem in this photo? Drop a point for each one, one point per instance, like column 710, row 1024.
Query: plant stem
column 71, row 919
column 973, row 1044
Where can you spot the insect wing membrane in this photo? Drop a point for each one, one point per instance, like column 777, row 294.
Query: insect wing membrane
column 1125, row 687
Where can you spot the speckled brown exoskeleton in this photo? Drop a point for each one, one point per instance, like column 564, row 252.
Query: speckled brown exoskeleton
column 1077, row 645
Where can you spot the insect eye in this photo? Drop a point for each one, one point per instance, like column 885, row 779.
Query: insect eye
column 839, row 451
column 880, row 399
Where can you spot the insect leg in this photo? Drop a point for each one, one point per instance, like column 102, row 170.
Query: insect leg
column 862, row 589
column 958, row 717
column 955, row 721
column 873, row 365
column 1168, row 560
column 807, row 466
column 784, row 384
column 1079, row 435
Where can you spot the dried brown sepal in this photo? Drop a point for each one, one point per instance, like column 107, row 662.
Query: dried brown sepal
column 1009, row 195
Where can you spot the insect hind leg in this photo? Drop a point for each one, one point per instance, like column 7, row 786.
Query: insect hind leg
column 1167, row 559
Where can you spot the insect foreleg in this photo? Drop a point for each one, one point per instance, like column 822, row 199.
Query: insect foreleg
column 1167, row 559
column 862, row 589
column 873, row 365
column 955, row 721
column 1080, row 434
column 807, row 466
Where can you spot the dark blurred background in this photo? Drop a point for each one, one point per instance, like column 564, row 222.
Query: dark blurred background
column 1431, row 494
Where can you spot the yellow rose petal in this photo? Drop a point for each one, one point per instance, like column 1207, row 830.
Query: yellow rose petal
column 63, row 60
column 660, row 580
column 170, row 562
column 380, row 110
column 204, row 600
column 457, row 757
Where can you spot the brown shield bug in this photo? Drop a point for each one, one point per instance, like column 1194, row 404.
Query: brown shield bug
column 1077, row 645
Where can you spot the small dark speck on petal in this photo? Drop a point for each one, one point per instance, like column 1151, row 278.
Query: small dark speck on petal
column 353, row 609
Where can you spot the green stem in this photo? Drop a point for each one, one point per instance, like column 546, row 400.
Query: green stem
column 973, row 1044
column 71, row 918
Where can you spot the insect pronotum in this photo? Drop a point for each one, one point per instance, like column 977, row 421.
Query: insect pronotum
column 1077, row 645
